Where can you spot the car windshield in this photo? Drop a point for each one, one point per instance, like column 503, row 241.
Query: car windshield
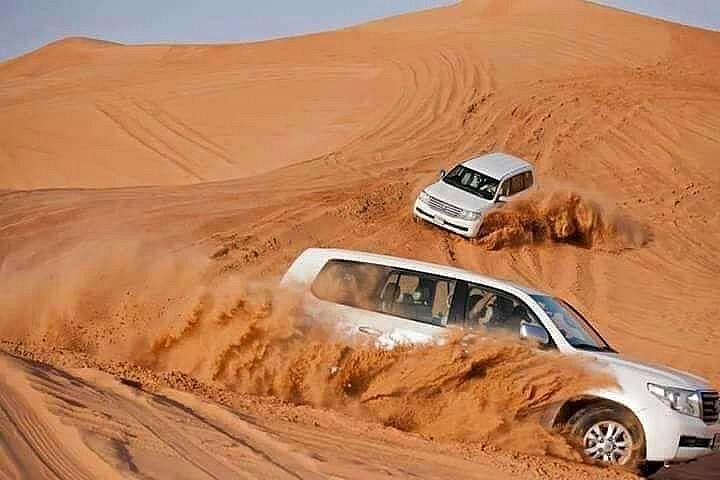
column 472, row 182
column 576, row 330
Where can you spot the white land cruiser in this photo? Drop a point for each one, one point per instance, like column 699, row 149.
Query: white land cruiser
column 657, row 415
column 459, row 199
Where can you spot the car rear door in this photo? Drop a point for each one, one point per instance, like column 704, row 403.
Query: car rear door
column 392, row 305
column 416, row 305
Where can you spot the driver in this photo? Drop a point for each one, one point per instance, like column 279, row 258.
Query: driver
column 502, row 310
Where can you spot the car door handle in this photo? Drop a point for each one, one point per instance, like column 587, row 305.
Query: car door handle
column 370, row 331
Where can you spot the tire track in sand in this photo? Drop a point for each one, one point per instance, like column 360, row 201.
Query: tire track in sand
column 36, row 444
column 106, row 425
column 135, row 130
column 438, row 91
column 167, row 136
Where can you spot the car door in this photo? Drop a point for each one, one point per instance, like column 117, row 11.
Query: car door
column 495, row 310
column 390, row 305
column 345, row 296
column 417, row 304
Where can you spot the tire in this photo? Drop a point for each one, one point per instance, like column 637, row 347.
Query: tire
column 608, row 436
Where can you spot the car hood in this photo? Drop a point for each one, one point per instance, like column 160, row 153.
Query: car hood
column 649, row 372
column 455, row 196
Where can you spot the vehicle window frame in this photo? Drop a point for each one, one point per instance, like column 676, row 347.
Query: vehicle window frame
column 581, row 319
column 456, row 312
column 517, row 178
column 332, row 261
column 586, row 323
column 503, row 188
column 468, row 286
column 446, row 178
column 382, row 284
column 529, row 179
column 406, row 271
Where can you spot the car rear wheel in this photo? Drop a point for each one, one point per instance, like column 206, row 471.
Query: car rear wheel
column 611, row 437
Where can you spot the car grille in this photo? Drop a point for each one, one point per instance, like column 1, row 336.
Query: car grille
column 710, row 407
column 444, row 207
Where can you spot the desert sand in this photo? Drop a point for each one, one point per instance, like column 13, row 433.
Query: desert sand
column 144, row 189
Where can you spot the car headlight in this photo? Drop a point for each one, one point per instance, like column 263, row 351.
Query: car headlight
column 424, row 197
column 679, row 399
column 469, row 215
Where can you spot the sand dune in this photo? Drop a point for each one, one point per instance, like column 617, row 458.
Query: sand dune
column 230, row 159
column 83, row 424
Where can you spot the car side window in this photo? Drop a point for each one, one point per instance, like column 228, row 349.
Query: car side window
column 505, row 188
column 417, row 296
column 350, row 283
column 517, row 184
column 528, row 179
column 492, row 309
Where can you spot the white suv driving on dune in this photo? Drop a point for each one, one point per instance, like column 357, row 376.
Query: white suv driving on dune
column 459, row 199
column 656, row 415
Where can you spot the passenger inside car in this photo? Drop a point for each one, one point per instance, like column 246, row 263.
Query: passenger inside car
column 418, row 297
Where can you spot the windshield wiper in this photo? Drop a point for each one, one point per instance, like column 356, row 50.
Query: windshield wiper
column 593, row 348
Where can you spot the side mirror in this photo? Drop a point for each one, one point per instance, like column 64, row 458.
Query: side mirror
column 502, row 199
column 534, row 332
column 442, row 173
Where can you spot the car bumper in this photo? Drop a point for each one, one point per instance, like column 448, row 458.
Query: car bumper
column 466, row 228
column 673, row 437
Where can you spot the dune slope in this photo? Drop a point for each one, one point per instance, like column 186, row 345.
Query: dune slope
column 82, row 425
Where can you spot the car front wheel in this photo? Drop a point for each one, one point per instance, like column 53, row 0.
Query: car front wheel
column 611, row 437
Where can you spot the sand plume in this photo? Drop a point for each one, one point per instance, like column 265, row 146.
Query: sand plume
column 479, row 389
column 560, row 216
column 252, row 338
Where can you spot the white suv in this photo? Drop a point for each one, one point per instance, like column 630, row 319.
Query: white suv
column 459, row 199
column 655, row 416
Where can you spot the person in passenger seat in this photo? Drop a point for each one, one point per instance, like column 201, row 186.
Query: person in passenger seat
column 423, row 292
